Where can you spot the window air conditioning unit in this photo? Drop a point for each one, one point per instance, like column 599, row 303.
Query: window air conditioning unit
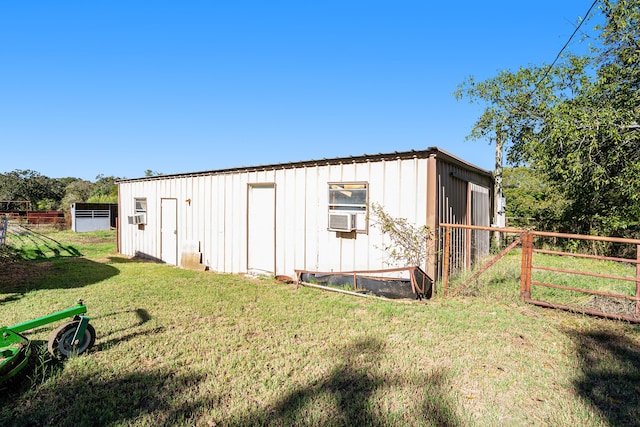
column 137, row 219
column 344, row 222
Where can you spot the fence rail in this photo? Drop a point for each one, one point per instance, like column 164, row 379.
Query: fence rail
column 526, row 239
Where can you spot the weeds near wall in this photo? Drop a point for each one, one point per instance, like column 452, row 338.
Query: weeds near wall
column 408, row 242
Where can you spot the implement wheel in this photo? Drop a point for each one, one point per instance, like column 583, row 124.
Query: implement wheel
column 61, row 345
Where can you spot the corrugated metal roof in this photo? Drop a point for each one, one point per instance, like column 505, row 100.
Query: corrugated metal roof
column 322, row 162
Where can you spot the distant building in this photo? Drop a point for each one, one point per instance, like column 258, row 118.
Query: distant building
column 93, row 216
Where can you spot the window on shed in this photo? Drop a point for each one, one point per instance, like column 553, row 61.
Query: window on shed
column 348, row 206
column 140, row 215
column 141, row 205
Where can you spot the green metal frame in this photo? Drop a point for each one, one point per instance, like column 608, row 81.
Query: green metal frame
column 44, row 320
column 82, row 326
column 15, row 348
column 14, row 354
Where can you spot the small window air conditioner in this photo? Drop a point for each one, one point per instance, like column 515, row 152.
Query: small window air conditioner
column 137, row 219
column 341, row 222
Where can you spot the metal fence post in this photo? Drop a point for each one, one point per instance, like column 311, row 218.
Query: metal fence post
column 525, row 270
column 445, row 266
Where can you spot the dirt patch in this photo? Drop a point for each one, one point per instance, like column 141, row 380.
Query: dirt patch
column 615, row 306
column 91, row 239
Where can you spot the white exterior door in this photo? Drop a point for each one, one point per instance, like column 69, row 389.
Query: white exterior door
column 261, row 232
column 169, row 231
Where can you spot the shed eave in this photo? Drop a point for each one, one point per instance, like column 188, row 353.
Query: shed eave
column 435, row 151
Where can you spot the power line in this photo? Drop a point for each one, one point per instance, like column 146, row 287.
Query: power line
column 548, row 70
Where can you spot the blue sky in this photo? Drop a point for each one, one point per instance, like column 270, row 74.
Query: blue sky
column 119, row 87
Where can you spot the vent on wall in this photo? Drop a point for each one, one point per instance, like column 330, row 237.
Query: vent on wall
column 137, row 219
column 341, row 222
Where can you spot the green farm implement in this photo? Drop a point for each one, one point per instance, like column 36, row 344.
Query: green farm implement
column 73, row 337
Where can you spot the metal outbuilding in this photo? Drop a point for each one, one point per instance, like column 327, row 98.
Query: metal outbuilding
column 93, row 216
column 308, row 215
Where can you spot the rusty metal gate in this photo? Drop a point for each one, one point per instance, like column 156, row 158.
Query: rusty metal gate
column 547, row 280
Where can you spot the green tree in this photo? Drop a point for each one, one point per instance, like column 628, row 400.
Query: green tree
column 41, row 191
column 76, row 191
column 532, row 202
column 105, row 190
column 577, row 123
column 592, row 149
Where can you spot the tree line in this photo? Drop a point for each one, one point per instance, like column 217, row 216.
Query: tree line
column 46, row 193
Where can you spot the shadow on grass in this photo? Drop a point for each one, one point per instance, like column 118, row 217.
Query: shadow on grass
column 40, row 366
column 21, row 277
column 30, row 244
column 81, row 399
column 609, row 375
column 121, row 260
column 36, row 261
column 10, row 298
column 351, row 386
column 138, row 258
column 143, row 317
column 106, row 344
column 84, row 400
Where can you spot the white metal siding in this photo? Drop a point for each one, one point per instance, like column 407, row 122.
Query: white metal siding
column 216, row 216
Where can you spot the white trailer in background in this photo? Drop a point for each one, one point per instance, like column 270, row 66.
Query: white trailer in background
column 93, row 216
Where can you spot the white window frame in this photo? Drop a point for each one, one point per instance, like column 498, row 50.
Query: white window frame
column 139, row 216
column 355, row 213
column 140, row 205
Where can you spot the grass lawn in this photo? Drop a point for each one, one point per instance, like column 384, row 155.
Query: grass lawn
column 180, row 347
